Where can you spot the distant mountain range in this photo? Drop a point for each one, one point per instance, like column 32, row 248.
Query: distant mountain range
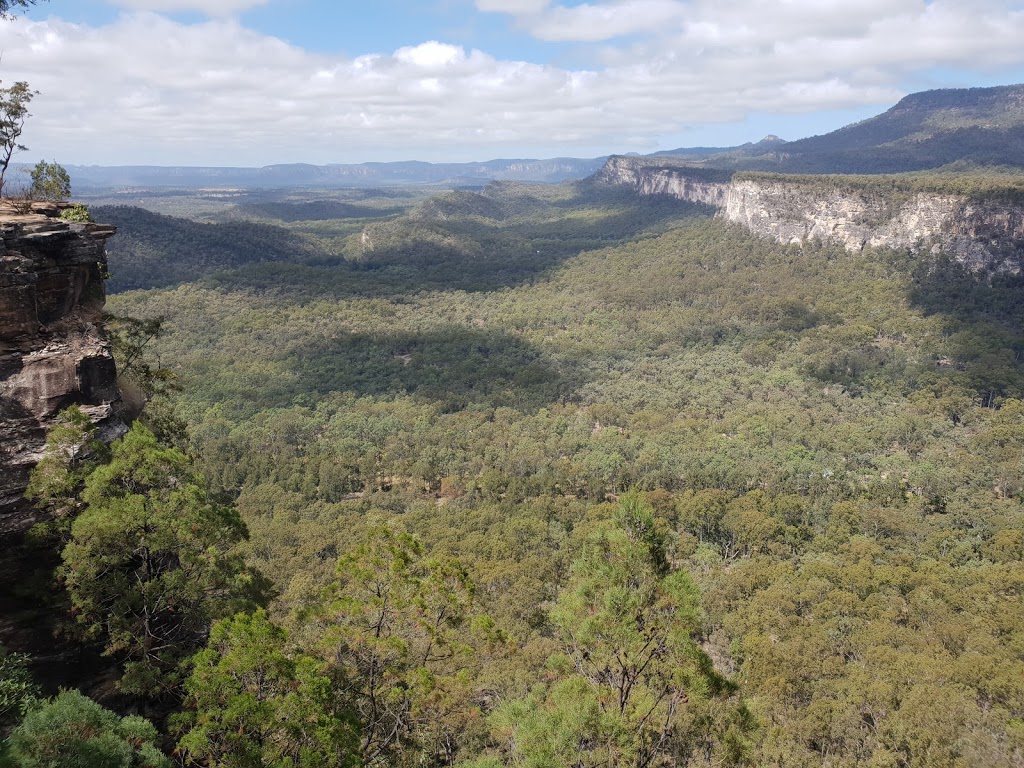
column 84, row 177
column 952, row 128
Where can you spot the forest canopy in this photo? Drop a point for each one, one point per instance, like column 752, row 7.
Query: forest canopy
column 561, row 476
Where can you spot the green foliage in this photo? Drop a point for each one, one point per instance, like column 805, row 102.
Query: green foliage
column 17, row 689
column 50, row 181
column 827, row 443
column 72, row 451
column 14, row 101
column 156, row 250
column 78, row 212
column 72, row 731
column 560, row 726
column 634, row 688
column 252, row 703
column 398, row 627
column 897, row 189
column 150, row 561
column 502, row 235
column 147, row 385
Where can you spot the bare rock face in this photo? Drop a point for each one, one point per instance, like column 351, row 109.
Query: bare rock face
column 654, row 180
column 985, row 235
column 53, row 352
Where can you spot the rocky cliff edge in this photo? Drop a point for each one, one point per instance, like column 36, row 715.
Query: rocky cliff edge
column 53, row 352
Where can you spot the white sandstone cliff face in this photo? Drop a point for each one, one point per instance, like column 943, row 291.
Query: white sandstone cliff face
column 649, row 180
column 979, row 235
column 982, row 235
column 790, row 214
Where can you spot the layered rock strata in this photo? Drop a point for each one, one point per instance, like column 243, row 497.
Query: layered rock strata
column 984, row 235
column 53, row 352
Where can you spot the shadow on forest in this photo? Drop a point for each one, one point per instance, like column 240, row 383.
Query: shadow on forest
column 153, row 250
column 455, row 367
column 447, row 252
column 946, row 287
column 458, row 240
column 314, row 210
column 984, row 328
column 33, row 617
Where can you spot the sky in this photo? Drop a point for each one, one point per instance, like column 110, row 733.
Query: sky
column 259, row 82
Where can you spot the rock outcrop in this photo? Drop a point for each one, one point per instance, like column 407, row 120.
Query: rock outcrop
column 53, row 352
column 695, row 185
column 982, row 234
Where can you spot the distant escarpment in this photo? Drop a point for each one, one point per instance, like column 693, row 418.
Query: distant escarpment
column 53, row 352
column 979, row 223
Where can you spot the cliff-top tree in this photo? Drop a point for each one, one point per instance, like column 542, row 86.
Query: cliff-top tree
column 50, row 181
column 13, row 102
column 14, row 112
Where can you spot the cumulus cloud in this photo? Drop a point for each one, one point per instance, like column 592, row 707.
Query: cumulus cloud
column 515, row 7
column 209, row 7
column 602, row 21
column 431, row 55
column 148, row 89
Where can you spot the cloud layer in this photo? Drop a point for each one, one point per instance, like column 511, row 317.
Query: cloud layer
column 209, row 7
column 148, row 89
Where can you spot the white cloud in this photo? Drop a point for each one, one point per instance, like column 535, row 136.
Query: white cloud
column 148, row 89
column 209, row 7
column 431, row 55
column 604, row 21
column 515, row 7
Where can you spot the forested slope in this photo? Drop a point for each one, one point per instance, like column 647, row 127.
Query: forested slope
column 829, row 445
column 155, row 250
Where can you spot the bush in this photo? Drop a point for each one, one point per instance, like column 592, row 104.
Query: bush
column 17, row 690
column 77, row 212
column 73, row 731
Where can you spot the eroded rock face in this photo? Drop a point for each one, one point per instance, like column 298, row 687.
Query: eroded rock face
column 982, row 235
column 53, row 353
column 654, row 180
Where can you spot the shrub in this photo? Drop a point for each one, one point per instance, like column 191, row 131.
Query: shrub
column 50, row 181
column 17, row 690
column 77, row 212
column 73, row 731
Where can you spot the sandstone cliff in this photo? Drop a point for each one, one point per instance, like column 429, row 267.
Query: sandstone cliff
column 52, row 349
column 980, row 233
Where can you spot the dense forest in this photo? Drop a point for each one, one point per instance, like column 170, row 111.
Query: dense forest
column 540, row 476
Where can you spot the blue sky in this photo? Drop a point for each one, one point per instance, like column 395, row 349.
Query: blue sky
column 253, row 82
